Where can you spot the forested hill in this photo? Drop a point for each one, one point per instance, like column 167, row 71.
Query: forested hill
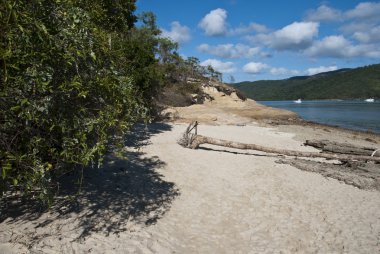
column 359, row 83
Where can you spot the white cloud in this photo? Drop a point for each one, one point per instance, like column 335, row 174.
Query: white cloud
column 254, row 67
column 353, row 27
column 339, row 47
column 283, row 71
column 368, row 36
column 257, row 67
column 364, row 22
column 365, row 10
column 229, row 50
column 223, row 67
column 296, row 36
column 361, row 25
column 324, row 13
column 333, row 46
column 316, row 70
column 177, row 33
column 214, row 23
column 252, row 27
column 372, row 51
column 363, row 32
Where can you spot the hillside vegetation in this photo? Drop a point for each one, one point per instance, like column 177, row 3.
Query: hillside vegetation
column 359, row 83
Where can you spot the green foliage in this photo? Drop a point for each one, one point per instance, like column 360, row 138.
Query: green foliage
column 359, row 83
column 74, row 76
column 69, row 80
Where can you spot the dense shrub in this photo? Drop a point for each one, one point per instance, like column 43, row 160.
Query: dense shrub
column 65, row 87
column 75, row 75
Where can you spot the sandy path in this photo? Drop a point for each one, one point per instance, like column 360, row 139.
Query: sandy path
column 230, row 201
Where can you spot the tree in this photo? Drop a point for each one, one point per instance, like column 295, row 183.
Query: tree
column 219, row 76
column 193, row 63
column 213, row 74
column 64, row 90
column 232, row 79
column 167, row 51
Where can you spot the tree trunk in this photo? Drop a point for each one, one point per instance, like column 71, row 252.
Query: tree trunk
column 198, row 140
column 342, row 148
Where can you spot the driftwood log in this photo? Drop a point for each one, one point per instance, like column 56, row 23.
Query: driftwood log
column 193, row 141
column 359, row 174
column 342, row 148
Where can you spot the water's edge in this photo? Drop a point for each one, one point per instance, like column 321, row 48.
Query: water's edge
column 352, row 115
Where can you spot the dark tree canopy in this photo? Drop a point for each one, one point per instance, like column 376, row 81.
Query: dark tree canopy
column 73, row 74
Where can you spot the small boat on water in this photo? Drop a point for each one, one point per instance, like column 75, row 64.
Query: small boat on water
column 298, row 101
column 369, row 100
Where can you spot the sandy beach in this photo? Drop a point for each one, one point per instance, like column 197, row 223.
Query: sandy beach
column 164, row 198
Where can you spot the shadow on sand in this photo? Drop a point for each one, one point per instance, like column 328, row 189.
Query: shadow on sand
column 122, row 191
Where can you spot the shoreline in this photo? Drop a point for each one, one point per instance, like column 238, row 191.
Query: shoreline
column 341, row 128
column 357, row 99
column 304, row 123
column 359, row 129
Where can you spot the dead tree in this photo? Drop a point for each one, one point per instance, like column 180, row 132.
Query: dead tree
column 193, row 141
column 342, row 148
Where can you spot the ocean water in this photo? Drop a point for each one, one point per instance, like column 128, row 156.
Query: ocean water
column 356, row 114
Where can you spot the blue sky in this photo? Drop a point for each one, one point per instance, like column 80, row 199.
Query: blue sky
column 255, row 40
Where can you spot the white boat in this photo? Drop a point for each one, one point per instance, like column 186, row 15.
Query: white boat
column 298, row 101
column 370, row 100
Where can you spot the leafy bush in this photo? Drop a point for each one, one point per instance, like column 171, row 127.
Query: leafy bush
column 65, row 88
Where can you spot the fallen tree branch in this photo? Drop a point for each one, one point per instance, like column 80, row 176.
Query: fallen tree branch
column 359, row 174
column 194, row 141
column 342, row 148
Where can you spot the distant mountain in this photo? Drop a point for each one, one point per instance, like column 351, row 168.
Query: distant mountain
column 358, row 83
column 322, row 74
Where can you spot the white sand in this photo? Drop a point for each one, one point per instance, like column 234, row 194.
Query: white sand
column 230, row 201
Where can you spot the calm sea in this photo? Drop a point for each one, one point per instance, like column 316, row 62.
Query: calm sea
column 356, row 115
